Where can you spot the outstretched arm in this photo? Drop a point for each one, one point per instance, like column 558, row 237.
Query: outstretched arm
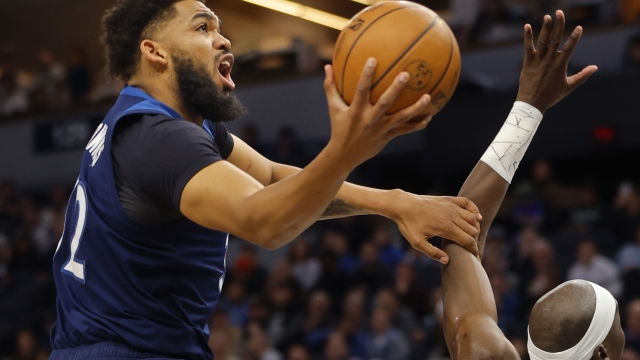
column 470, row 327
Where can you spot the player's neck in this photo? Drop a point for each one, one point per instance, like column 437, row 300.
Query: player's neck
column 160, row 90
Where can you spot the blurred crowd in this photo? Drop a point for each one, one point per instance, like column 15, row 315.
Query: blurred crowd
column 352, row 288
column 53, row 85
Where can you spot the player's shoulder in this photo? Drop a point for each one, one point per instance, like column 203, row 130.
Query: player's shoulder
column 480, row 338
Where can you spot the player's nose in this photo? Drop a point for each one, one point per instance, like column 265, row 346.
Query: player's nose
column 222, row 43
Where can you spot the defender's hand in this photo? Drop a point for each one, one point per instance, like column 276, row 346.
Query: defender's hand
column 544, row 80
column 361, row 130
column 422, row 217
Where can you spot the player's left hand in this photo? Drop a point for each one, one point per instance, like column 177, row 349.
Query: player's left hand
column 544, row 81
column 420, row 218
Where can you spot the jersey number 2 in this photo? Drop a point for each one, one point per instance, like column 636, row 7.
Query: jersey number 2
column 75, row 266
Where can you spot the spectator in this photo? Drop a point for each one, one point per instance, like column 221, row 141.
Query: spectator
column 248, row 271
column 258, row 346
column 372, row 275
column 49, row 91
column 632, row 57
column 318, row 323
column 285, row 316
column 223, row 344
column 337, row 242
column 386, row 342
column 288, row 149
column 625, row 215
column 235, row 304
column 25, row 346
column 592, row 266
column 405, row 288
column 507, row 300
column 389, row 253
column 298, row 352
column 629, row 256
column 336, row 347
column 13, row 98
column 79, row 76
column 632, row 329
column 333, row 280
column 306, row 269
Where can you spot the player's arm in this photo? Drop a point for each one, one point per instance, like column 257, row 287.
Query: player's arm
column 225, row 198
column 418, row 217
column 470, row 327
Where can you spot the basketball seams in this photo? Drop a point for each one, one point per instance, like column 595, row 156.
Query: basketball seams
column 346, row 60
column 406, row 51
column 446, row 70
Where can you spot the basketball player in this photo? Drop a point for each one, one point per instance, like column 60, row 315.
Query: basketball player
column 576, row 321
column 141, row 263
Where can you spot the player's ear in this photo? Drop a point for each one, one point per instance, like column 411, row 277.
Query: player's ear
column 154, row 52
column 600, row 353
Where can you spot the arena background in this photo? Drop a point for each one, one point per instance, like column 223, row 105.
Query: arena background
column 573, row 210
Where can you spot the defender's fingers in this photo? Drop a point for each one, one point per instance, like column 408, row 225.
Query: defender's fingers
column 363, row 90
column 543, row 38
column 462, row 238
column 415, row 111
column 570, row 46
column 580, row 78
column 431, row 251
column 469, row 217
column 529, row 47
column 465, row 203
column 556, row 34
column 391, row 94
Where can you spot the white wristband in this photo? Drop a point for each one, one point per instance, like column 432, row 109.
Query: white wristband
column 507, row 149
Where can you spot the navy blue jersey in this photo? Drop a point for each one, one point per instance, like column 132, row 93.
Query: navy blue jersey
column 151, row 287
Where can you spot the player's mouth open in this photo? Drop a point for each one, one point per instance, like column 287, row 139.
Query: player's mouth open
column 224, row 68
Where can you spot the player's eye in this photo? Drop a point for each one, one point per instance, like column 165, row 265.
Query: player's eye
column 203, row 28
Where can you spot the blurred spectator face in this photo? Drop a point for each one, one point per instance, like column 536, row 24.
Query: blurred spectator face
column 387, row 301
column 541, row 171
column 336, row 347
column 633, row 318
column 627, row 198
column 586, row 251
column 353, row 306
column 335, row 241
column 380, row 321
column 235, row 291
column 299, row 251
column 404, row 273
column 381, row 237
column 281, row 296
column 319, row 304
column 543, row 256
column 257, row 343
column 298, row 352
column 25, row 344
column 219, row 320
column 281, row 272
column 528, row 240
column 219, row 343
column 368, row 254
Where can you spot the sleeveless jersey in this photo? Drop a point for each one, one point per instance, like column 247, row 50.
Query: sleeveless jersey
column 151, row 287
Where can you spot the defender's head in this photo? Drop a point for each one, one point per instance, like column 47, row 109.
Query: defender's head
column 561, row 322
column 176, row 46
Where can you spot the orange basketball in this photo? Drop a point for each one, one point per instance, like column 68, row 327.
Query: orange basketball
column 402, row 36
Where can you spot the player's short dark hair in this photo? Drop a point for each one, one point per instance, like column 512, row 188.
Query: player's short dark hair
column 123, row 27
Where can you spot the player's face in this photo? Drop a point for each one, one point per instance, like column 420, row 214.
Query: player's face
column 194, row 34
column 614, row 342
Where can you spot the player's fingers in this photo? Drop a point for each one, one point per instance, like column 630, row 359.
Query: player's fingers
column 333, row 97
column 415, row 111
column 465, row 203
column 570, row 46
column 543, row 38
column 462, row 238
column 580, row 78
column 431, row 251
column 363, row 89
column 391, row 94
column 410, row 127
column 468, row 216
column 529, row 48
column 556, row 34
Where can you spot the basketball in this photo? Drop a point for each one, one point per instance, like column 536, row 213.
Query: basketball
column 402, row 36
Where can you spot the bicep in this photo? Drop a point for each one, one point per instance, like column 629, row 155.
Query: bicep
column 245, row 158
column 213, row 198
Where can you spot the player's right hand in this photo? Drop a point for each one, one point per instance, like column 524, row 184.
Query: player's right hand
column 544, row 80
column 361, row 130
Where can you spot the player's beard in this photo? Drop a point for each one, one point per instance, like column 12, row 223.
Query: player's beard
column 200, row 96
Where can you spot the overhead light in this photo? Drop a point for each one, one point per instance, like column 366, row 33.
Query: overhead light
column 368, row 2
column 303, row 12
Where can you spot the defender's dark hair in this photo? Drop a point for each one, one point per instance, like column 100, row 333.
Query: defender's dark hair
column 124, row 27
